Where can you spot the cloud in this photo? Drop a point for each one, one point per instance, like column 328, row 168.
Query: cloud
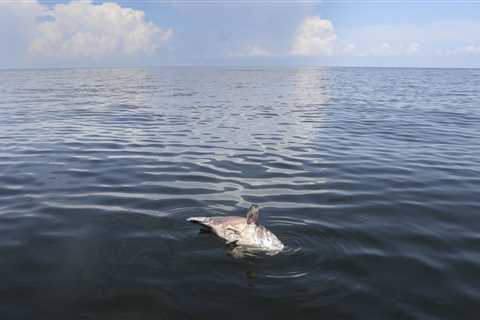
column 213, row 31
column 256, row 51
column 84, row 29
column 250, row 51
column 412, row 48
column 472, row 49
column 315, row 36
column 37, row 33
column 75, row 33
column 437, row 38
column 384, row 49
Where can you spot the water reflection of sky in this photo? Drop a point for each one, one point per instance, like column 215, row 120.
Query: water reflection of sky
column 242, row 128
column 240, row 108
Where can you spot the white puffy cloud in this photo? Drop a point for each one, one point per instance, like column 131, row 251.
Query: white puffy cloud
column 84, row 29
column 318, row 37
column 315, row 36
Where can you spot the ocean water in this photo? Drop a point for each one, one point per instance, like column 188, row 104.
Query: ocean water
column 371, row 177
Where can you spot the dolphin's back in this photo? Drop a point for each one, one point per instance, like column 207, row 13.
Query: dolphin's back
column 228, row 228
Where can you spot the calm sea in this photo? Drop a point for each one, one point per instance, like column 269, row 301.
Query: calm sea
column 370, row 176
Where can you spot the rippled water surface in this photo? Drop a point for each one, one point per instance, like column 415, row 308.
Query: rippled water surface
column 371, row 177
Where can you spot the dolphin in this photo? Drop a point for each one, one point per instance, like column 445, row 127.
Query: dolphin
column 243, row 233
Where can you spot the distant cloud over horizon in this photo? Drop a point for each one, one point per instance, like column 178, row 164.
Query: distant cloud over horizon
column 117, row 33
column 84, row 29
column 81, row 31
column 473, row 49
column 315, row 36
column 251, row 51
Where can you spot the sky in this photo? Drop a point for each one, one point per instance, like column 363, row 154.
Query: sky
column 88, row 33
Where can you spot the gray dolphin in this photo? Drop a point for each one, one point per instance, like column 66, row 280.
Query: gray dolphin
column 243, row 233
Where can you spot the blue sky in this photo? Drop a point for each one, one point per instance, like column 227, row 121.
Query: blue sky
column 87, row 33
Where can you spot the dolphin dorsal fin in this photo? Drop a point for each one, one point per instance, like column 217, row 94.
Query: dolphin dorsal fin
column 252, row 215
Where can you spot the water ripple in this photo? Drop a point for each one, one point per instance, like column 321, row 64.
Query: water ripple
column 369, row 176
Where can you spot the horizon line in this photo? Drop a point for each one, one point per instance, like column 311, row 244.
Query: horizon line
column 287, row 66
